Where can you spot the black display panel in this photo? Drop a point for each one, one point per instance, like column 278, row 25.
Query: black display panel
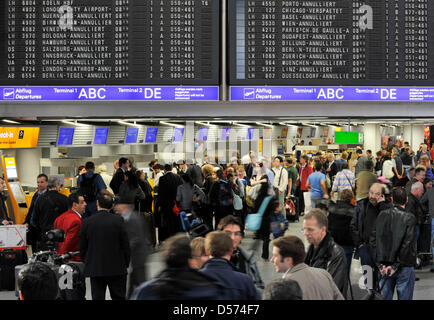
column 322, row 42
column 109, row 42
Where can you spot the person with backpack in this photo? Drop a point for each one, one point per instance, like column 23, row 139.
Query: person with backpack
column 91, row 185
column 221, row 197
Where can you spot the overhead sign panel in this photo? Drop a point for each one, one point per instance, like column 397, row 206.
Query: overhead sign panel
column 166, row 93
column 19, row 137
column 331, row 42
column 110, row 42
column 281, row 93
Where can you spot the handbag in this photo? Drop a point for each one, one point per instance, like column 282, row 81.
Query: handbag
column 249, row 200
column 254, row 220
column 238, row 202
column 375, row 294
column 176, row 210
column 328, row 182
column 307, row 201
column 253, row 192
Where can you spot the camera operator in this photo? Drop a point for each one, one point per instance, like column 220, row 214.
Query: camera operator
column 37, row 281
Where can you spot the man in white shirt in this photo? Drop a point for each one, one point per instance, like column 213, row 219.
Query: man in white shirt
column 280, row 181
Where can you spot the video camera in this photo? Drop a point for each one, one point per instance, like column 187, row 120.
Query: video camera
column 60, row 265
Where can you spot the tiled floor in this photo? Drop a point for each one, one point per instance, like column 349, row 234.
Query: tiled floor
column 424, row 288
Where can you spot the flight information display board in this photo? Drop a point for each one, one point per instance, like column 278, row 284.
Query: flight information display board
column 109, row 42
column 331, row 43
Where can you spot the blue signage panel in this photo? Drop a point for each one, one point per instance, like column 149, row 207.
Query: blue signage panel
column 65, row 136
column 178, row 134
column 151, row 135
column 203, row 134
column 132, row 134
column 100, row 136
column 225, row 133
column 188, row 93
column 254, row 93
column 249, row 133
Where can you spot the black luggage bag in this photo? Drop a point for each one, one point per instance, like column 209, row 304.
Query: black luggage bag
column 8, row 260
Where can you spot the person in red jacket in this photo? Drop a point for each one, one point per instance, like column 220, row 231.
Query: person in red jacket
column 70, row 222
column 304, row 172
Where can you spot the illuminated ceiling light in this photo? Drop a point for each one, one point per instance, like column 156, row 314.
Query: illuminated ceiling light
column 264, row 124
column 205, row 124
column 10, row 121
column 171, row 124
column 75, row 123
column 240, row 124
column 289, row 125
column 125, row 123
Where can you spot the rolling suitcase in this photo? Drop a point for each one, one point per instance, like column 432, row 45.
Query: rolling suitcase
column 8, row 260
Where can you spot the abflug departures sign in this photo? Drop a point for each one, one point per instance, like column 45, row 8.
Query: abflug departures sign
column 109, row 43
column 300, row 47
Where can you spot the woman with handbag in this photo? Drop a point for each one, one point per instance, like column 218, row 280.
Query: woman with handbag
column 264, row 231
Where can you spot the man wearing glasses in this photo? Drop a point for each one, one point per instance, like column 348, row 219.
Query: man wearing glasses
column 241, row 258
column 363, row 223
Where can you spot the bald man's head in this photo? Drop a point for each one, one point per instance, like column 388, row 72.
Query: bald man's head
column 376, row 193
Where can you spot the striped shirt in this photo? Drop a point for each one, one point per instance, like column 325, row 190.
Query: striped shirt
column 345, row 179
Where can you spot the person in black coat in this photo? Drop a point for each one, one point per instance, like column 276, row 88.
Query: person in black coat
column 105, row 250
column 49, row 206
column 195, row 172
column 331, row 168
column 140, row 246
column 238, row 286
column 166, row 220
column 179, row 281
column 323, row 252
column 32, row 233
column 119, row 176
column 339, row 219
column 394, row 248
column 414, row 207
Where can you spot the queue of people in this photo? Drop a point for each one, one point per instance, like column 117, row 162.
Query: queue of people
column 351, row 213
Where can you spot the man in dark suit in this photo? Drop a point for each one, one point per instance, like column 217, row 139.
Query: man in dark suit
column 168, row 223
column 139, row 245
column 51, row 205
column 32, row 235
column 105, row 250
column 119, row 176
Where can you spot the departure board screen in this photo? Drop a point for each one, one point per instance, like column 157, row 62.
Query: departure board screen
column 109, row 42
column 325, row 42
